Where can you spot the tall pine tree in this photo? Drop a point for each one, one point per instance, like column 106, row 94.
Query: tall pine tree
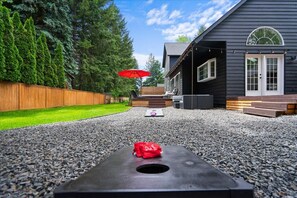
column 27, row 50
column 17, row 24
column 10, row 52
column 50, row 76
column 2, row 58
column 40, row 60
column 154, row 67
column 58, row 61
column 53, row 18
column 103, row 47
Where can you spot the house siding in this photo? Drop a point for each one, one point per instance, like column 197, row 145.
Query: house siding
column 235, row 29
column 173, row 60
column 216, row 87
column 186, row 82
column 179, row 86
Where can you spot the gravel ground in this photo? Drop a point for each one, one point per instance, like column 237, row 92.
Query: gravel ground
column 263, row 151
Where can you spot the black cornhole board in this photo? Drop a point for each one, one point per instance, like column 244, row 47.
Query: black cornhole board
column 188, row 176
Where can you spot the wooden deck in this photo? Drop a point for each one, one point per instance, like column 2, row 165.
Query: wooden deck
column 269, row 106
column 152, row 102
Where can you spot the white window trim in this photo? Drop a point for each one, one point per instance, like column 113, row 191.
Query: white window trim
column 262, row 62
column 175, row 83
column 173, row 79
column 209, row 70
column 268, row 27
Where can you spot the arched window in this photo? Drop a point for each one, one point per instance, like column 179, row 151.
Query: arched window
column 265, row 36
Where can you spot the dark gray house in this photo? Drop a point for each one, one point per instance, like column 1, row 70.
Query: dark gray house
column 250, row 51
column 171, row 53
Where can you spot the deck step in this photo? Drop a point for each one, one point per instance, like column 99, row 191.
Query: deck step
column 272, row 113
column 156, row 103
column 290, row 100
column 274, row 105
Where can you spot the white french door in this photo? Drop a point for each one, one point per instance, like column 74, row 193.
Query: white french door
column 264, row 74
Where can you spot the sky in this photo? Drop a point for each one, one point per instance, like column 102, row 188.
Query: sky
column 151, row 23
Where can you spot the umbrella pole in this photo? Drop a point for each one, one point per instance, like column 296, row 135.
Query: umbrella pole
column 140, row 86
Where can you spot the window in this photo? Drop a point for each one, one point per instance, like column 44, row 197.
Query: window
column 175, row 81
column 207, row 71
column 171, row 84
column 265, row 36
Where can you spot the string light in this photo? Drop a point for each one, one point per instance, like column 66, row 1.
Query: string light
column 252, row 51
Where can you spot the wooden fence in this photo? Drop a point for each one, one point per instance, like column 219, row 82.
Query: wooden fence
column 19, row 96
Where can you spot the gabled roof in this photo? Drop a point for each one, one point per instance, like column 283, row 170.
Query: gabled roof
column 173, row 49
column 201, row 36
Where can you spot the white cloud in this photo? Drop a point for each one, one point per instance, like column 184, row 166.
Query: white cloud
column 143, row 58
column 220, row 2
column 206, row 15
column 175, row 14
column 174, row 24
column 162, row 16
column 188, row 29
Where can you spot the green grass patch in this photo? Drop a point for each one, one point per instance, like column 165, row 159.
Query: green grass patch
column 17, row 119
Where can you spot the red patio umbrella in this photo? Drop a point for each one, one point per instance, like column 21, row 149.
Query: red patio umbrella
column 134, row 73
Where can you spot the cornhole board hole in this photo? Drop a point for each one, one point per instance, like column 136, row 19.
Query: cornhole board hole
column 178, row 173
column 154, row 113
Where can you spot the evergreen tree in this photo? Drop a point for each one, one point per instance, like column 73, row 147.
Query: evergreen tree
column 31, row 28
column 58, row 61
column 27, row 50
column 17, row 32
column 55, row 74
column 10, row 52
column 201, row 30
column 2, row 58
column 103, row 47
column 154, row 67
column 53, row 18
column 49, row 74
column 16, row 21
column 40, row 60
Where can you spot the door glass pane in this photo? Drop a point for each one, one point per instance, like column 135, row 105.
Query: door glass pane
column 271, row 74
column 252, row 74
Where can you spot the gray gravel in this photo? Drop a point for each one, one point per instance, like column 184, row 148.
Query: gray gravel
column 263, row 151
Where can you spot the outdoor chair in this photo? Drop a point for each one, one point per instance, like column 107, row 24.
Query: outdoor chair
column 169, row 94
column 133, row 94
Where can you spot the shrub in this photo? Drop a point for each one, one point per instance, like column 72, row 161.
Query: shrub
column 59, row 64
column 40, row 60
column 10, row 53
column 49, row 75
column 2, row 59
